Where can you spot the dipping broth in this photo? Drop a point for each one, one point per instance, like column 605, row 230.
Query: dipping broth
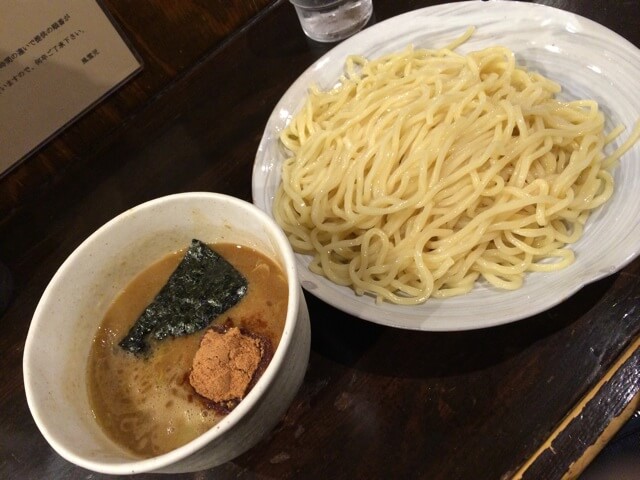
column 146, row 404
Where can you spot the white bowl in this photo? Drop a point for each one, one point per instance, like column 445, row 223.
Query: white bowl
column 587, row 59
column 76, row 299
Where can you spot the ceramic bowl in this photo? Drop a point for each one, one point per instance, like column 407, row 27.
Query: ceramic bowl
column 76, row 299
column 588, row 60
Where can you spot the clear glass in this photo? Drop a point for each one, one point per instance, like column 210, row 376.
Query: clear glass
column 332, row 20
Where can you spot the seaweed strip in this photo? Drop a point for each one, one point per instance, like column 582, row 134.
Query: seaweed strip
column 203, row 286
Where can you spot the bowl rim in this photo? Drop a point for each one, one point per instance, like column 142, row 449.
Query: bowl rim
column 230, row 420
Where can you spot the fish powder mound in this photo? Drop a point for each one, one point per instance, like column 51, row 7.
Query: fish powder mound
column 225, row 365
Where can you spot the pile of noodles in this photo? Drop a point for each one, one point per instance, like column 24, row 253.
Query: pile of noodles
column 425, row 170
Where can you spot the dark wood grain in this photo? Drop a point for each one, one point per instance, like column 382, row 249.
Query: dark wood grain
column 585, row 425
column 376, row 402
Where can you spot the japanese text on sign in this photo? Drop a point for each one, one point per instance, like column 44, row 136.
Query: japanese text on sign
column 56, row 60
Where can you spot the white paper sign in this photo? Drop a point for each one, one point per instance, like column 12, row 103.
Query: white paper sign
column 57, row 59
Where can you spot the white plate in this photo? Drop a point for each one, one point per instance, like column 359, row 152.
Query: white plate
column 587, row 59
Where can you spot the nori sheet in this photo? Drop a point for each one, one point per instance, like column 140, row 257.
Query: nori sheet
column 203, row 286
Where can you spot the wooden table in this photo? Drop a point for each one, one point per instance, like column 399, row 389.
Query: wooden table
column 534, row 399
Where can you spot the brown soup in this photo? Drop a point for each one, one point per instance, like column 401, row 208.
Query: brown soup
column 147, row 405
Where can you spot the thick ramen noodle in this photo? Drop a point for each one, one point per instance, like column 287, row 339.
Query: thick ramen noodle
column 424, row 171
